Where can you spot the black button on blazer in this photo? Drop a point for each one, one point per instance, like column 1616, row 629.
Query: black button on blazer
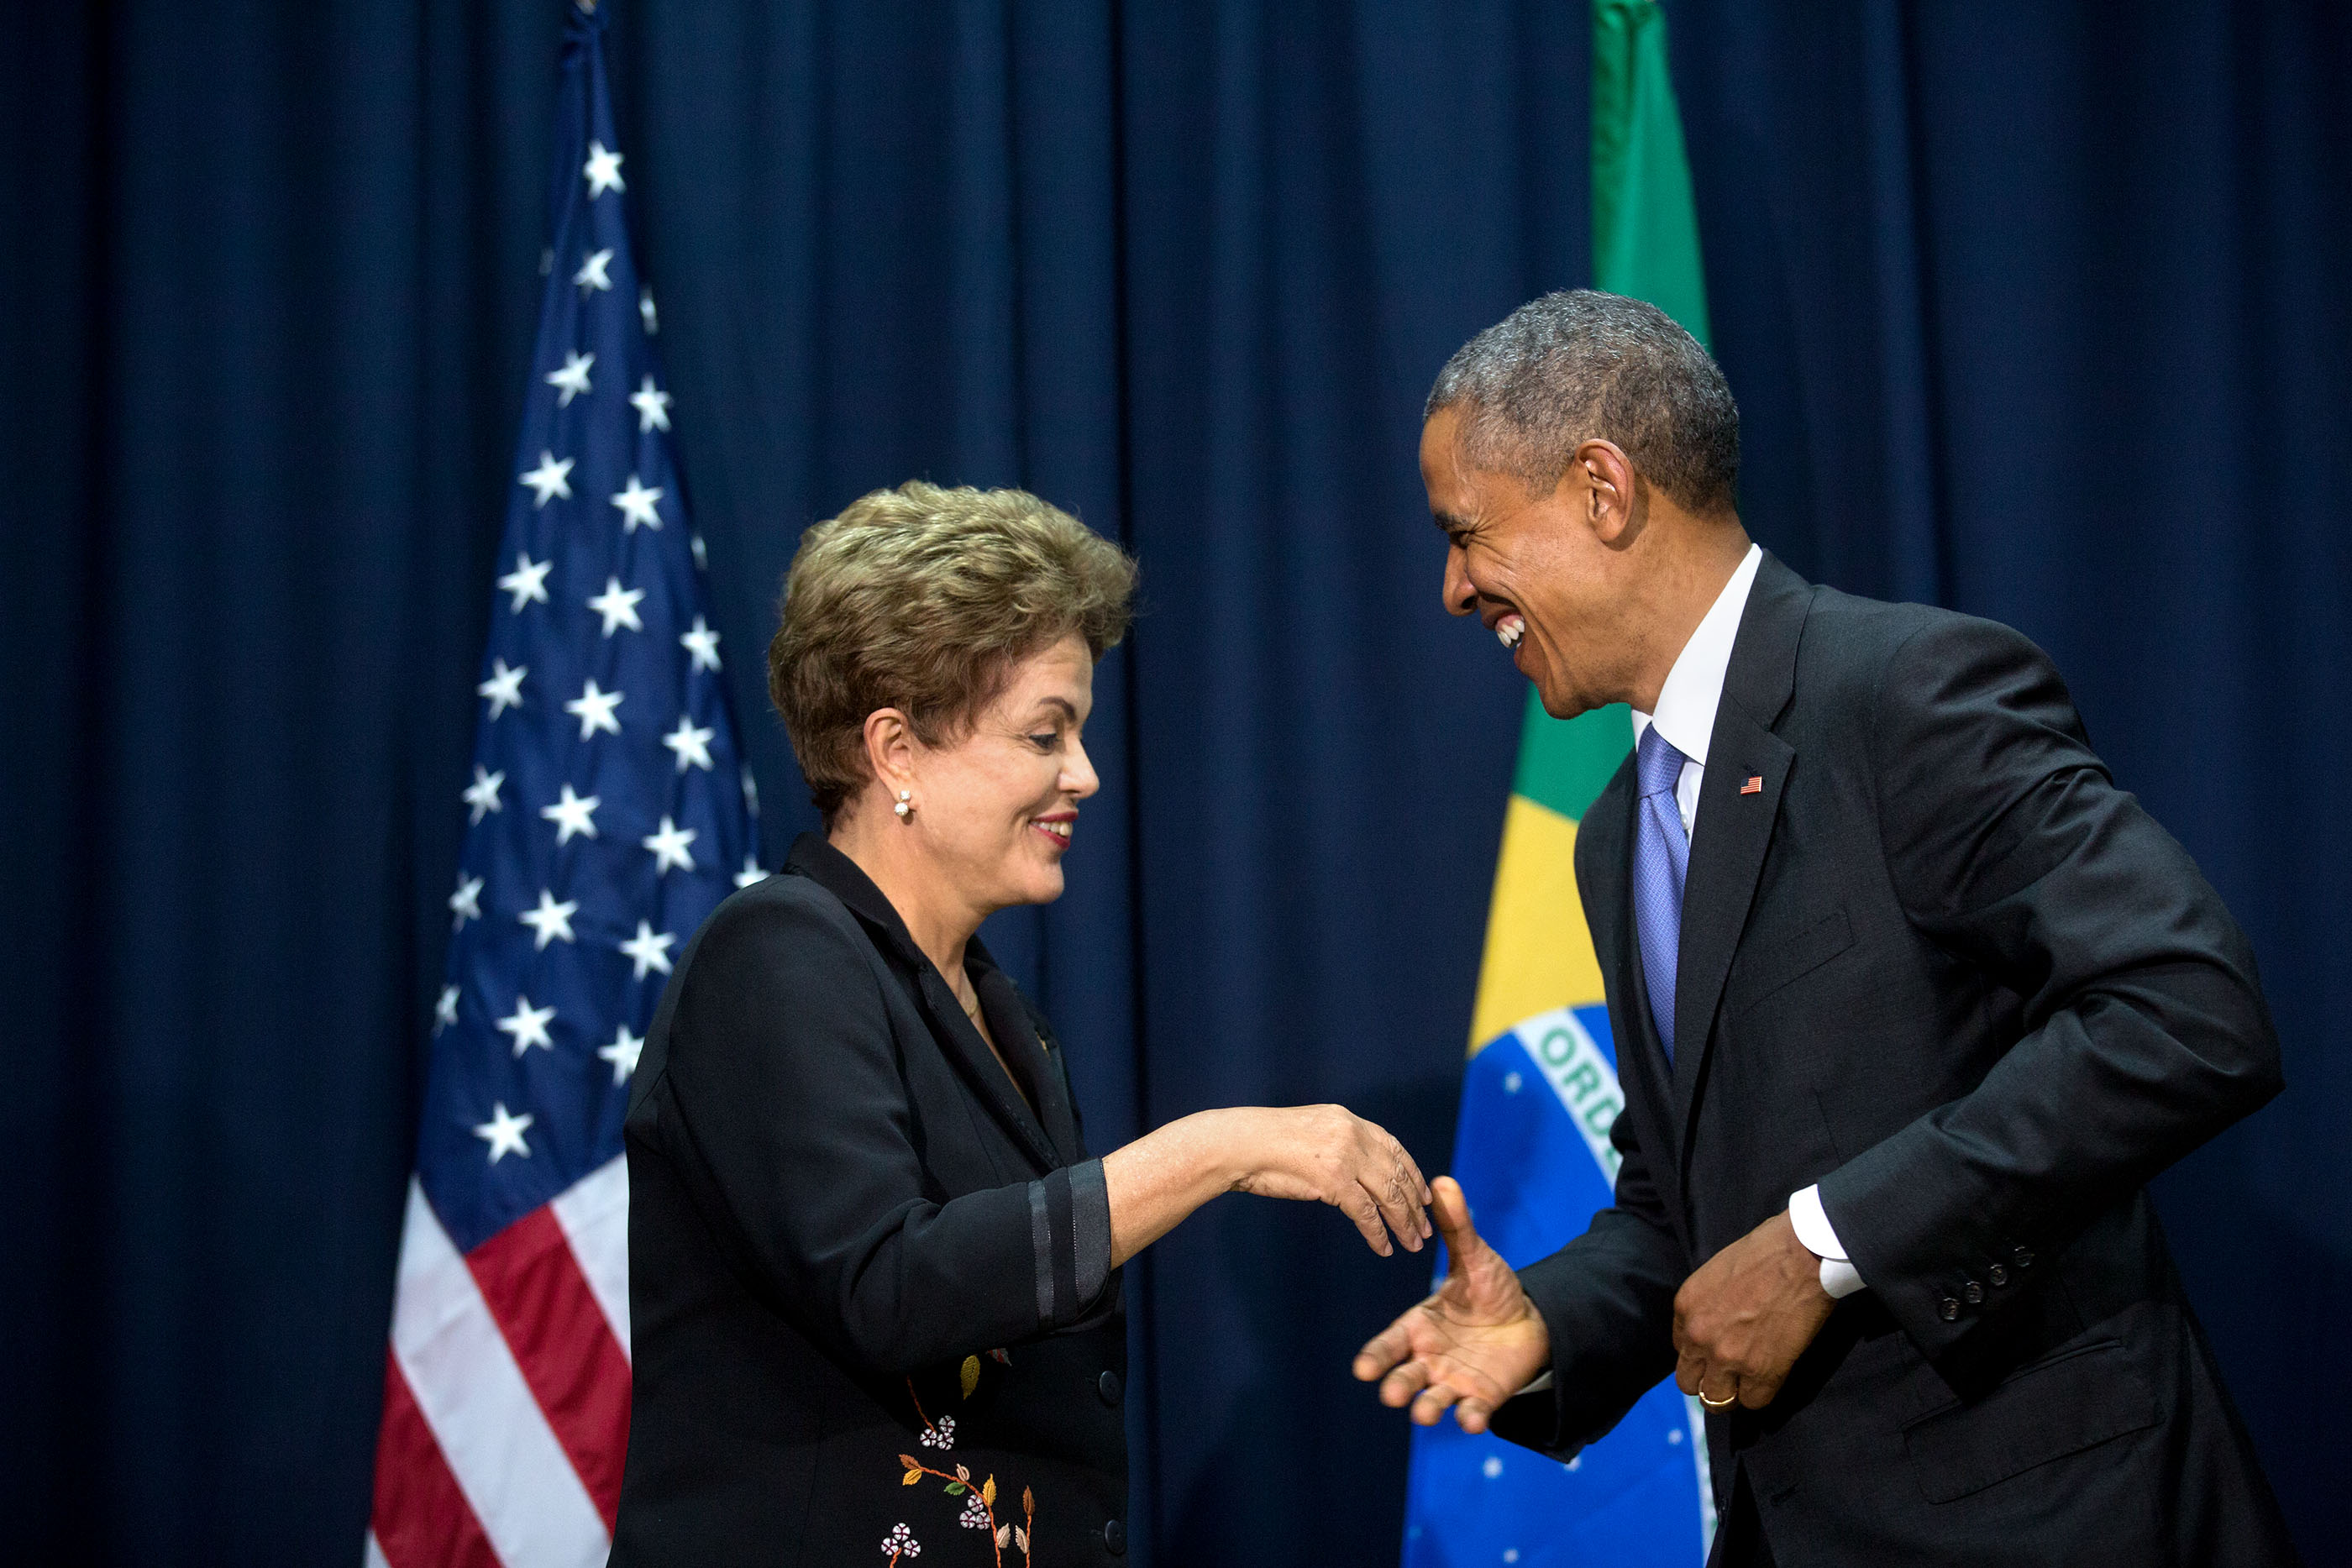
column 869, row 1281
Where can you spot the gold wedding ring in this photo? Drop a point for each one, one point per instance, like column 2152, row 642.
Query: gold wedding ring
column 1725, row 1403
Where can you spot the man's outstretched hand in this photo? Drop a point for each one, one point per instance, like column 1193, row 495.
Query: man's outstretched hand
column 1472, row 1344
column 1741, row 1322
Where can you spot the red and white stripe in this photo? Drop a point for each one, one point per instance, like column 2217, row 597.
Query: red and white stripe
column 506, row 1412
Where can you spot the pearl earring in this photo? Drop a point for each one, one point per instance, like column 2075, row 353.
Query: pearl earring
column 904, row 810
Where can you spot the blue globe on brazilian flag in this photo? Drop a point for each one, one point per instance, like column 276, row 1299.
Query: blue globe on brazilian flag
column 1532, row 1149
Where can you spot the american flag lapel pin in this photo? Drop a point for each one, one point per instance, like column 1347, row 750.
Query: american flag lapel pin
column 1754, row 785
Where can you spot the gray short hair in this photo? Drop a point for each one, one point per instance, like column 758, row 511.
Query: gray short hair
column 1579, row 365
column 923, row 598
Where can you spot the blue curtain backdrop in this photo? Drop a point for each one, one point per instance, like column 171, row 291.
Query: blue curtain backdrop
column 2040, row 312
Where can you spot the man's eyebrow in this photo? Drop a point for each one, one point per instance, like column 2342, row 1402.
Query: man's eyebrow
column 1447, row 522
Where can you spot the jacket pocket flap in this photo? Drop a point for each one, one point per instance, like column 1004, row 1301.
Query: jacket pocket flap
column 1770, row 967
column 2047, row 1411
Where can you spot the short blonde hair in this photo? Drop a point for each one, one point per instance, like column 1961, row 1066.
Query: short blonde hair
column 923, row 598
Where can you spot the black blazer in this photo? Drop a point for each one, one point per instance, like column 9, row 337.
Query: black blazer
column 1940, row 964
column 855, row 1257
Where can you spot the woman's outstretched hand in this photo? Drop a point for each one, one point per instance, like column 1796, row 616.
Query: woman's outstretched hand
column 1324, row 1153
column 1475, row 1343
column 1331, row 1155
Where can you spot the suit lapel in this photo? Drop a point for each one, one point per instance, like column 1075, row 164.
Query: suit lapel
column 1606, row 834
column 1739, row 800
column 1605, row 837
column 951, row 1030
column 1024, row 1043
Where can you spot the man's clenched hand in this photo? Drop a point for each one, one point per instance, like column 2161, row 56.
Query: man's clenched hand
column 1472, row 1344
column 1741, row 1321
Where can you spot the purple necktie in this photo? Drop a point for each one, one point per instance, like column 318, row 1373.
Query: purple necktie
column 1661, row 859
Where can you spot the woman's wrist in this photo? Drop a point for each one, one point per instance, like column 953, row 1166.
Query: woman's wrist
column 1153, row 1183
column 1214, row 1148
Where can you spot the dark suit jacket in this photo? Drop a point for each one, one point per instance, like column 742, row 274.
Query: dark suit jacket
column 851, row 1241
column 1941, row 966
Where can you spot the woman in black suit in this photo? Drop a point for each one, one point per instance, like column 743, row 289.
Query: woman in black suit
column 874, row 1276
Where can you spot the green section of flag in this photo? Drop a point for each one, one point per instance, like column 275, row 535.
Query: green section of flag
column 1644, row 223
column 1564, row 763
column 1645, row 244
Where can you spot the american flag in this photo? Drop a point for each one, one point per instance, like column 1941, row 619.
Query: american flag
column 608, row 814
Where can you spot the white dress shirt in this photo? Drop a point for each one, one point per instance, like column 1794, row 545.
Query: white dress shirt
column 1685, row 716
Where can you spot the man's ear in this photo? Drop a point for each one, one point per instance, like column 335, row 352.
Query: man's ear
column 1611, row 489
column 890, row 749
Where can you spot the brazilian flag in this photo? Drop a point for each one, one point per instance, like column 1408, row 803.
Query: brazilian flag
column 1532, row 1150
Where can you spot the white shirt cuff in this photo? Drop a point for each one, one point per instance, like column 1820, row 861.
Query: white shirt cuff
column 1839, row 1276
column 1542, row 1382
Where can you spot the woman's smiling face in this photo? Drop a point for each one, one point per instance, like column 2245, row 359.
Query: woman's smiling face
column 997, row 807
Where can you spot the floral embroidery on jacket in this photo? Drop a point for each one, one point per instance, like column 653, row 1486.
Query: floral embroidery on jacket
column 979, row 1511
column 980, row 1497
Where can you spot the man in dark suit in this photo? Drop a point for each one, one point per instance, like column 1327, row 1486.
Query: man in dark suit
column 1910, row 1000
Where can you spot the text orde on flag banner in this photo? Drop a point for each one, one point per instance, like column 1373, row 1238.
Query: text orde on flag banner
column 607, row 815
column 1540, row 1093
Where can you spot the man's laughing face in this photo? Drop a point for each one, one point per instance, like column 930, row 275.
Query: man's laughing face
column 1529, row 568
